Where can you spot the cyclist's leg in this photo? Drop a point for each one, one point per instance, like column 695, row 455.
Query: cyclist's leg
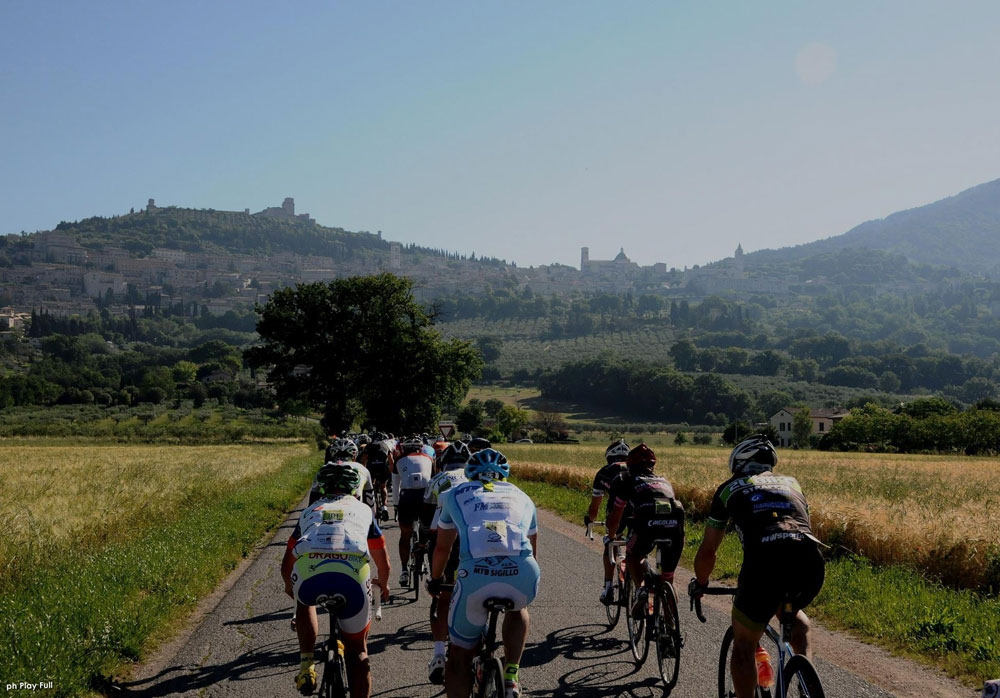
column 636, row 550
column 516, row 621
column 354, row 620
column 306, row 627
column 757, row 595
column 742, row 666
column 805, row 570
column 464, row 636
column 359, row 674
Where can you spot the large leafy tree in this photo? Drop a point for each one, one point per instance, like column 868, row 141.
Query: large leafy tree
column 364, row 352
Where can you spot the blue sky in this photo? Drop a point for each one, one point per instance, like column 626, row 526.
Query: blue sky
column 523, row 130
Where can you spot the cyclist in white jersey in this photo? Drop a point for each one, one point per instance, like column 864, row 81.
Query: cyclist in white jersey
column 497, row 529
column 346, row 451
column 452, row 460
column 330, row 553
column 411, row 473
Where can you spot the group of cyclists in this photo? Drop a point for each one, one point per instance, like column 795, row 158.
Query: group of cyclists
column 482, row 535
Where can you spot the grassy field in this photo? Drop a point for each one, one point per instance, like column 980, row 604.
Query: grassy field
column 891, row 605
column 103, row 547
column 933, row 513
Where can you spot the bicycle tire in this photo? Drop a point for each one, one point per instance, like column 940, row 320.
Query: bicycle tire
column 668, row 636
column 725, row 678
column 801, row 679
column 638, row 639
column 491, row 685
column 614, row 609
column 415, row 578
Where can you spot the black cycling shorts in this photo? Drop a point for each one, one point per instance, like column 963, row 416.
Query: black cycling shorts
column 411, row 503
column 452, row 566
column 669, row 528
column 379, row 471
column 774, row 568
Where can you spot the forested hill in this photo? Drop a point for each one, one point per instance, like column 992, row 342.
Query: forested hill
column 208, row 230
column 961, row 231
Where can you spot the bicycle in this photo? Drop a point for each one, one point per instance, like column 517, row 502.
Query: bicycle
column 660, row 624
column 380, row 505
column 334, row 682
column 797, row 678
column 617, row 559
column 487, row 669
column 416, row 565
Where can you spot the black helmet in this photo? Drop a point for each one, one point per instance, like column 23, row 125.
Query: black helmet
column 455, row 455
column 336, row 478
column 479, row 444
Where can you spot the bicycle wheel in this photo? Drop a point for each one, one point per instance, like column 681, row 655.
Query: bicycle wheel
column 725, row 678
column 668, row 636
column 614, row 609
column 491, row 685
column 637, row 638
column 801, row 679
column 415, row 577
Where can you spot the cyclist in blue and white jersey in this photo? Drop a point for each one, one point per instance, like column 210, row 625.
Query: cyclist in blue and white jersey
column 411, row 473
column 497, row 529
column 452, row 462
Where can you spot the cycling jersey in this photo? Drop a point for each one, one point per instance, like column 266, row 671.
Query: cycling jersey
column 765, row 508
column 657, row 515
column 492, row 517
column 330, row 545
column 378, row 459
column 439, row 484
column 602, row 484
column 414, row 470
column 494, row 520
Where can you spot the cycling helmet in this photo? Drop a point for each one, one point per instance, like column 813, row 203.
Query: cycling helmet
column 478, row 444
column 412, row 445
column 487, row 465
column 364, row 440
column 755, row 455
column 341, row 449
column 641, row 458
column 617, row 451
column 455, row 455
column 336, row 478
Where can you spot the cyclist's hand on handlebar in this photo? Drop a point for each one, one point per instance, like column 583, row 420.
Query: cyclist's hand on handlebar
column 696, row 590
column 434, row 586
column 606, row 539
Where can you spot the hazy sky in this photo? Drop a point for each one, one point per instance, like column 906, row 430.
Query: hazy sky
column 522, row 130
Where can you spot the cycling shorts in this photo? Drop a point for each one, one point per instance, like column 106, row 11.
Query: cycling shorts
column 669, row 527
column 411, row 503
column 793, row 566
column 452, row 566
column 512, row 578
column 379, row 471
column 319, row 575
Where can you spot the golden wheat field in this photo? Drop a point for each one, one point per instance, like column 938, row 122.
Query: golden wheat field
column 938, row 513
column 85, row 494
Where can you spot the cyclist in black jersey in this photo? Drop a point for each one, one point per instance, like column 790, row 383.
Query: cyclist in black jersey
column 780, row 554
column 614, row 456
column 657, row 514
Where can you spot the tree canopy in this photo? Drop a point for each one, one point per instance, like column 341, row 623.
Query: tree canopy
column 364, row 352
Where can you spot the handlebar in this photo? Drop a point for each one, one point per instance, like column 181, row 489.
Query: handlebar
column 710, row 591
column 590, row 528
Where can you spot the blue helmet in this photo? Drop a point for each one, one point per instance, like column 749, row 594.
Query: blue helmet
column 489, row 463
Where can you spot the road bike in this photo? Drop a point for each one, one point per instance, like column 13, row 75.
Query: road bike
column 487, row 668
column 797, row 678
column 660, row 623
column 334, row 682
column 380, row 505
column 418, row 557
column 615, row 552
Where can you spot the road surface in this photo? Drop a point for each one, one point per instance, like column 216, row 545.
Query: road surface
column 243, row 646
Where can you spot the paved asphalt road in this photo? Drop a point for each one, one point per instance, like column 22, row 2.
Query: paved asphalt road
column 244, row 647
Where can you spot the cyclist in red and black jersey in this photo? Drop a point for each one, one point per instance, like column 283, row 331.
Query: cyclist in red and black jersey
column 614, row 466
column 780, row 554
column 656, row 515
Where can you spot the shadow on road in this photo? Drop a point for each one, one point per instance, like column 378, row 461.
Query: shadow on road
column 269, row 660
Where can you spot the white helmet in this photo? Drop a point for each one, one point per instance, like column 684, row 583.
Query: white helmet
column 755, row 455
column 617, row 451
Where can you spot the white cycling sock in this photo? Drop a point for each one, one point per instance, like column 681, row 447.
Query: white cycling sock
column 438, row 647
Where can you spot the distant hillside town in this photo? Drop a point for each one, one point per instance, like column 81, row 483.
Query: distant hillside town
column 214, row 262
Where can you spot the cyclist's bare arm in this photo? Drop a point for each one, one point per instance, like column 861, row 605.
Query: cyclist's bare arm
column 381, row 559
column 595, row 506
column 442, row 551
column 704, row 559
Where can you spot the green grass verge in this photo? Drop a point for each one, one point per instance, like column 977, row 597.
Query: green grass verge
column 79, row 616
column 894, row 607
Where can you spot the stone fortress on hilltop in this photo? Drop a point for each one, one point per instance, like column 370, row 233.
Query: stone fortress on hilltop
column 286, row 211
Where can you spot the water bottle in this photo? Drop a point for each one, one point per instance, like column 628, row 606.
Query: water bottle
column 992, row 689
column 765, row 674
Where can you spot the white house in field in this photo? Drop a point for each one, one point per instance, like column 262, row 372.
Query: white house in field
column 822, row 420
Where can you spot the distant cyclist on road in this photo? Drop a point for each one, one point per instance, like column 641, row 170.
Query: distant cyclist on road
column 614, row 466
column 497, row 530
column 411, row 474
column 378, row 459
column 451, row 463
column 346, row 451
column 656, row 514
column 330, row 553
column 780, row 553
